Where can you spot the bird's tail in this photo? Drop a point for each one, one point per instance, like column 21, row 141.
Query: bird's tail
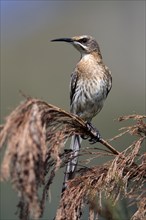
column 72, row 164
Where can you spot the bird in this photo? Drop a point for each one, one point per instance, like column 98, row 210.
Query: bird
column 90, row 84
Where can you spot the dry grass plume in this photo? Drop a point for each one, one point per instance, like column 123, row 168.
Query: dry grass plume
column 35, row 134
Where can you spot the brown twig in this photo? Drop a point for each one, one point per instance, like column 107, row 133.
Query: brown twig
column 106, row 144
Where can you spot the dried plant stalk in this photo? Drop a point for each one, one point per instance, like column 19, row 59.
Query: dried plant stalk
column 35, row 134
column 117, row 178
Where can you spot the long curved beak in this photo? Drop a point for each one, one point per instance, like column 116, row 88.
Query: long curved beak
column 69, row 40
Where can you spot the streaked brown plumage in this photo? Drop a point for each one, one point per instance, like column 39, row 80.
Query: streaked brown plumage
column 90, row 84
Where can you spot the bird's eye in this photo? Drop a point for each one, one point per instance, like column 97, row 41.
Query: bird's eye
column 83, row 40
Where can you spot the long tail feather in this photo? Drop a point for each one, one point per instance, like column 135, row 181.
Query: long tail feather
column 72, row 164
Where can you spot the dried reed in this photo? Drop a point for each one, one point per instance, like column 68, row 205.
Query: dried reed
column 35, row 134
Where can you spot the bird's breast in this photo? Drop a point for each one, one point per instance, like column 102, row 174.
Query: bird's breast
column 93, row 80
column 88, row 98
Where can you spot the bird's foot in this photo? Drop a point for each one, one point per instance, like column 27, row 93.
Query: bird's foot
column 84, row 137
column 96, row 135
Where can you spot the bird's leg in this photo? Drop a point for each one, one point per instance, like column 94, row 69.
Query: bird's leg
column 97, row 135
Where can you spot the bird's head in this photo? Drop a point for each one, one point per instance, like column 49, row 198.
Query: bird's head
column 84, row 44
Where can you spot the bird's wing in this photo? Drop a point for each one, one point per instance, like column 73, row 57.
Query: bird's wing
column 73, row 84
column 109, row 77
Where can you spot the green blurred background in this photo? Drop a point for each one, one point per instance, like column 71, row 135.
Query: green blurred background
column 41, row 69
